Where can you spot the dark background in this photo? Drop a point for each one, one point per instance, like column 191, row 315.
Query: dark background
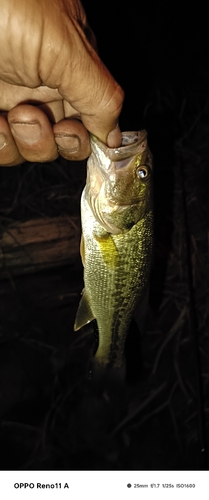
column 149, row 46
column 52, row 417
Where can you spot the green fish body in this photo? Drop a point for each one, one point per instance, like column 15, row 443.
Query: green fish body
column 116, row 247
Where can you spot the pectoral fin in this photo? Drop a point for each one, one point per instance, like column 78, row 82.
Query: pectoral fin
column 108, row 249
column 84, row 313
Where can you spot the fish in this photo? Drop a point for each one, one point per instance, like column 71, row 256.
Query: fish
column 117, row 241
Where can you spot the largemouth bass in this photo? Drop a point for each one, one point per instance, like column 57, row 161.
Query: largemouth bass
column 116, row 246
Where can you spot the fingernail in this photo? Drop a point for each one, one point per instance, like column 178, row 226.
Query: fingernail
column 28, row 132
column 70, row 143
column 114, row 138
column 3, row 141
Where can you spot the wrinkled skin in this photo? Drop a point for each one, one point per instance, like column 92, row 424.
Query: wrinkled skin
column 53, row 86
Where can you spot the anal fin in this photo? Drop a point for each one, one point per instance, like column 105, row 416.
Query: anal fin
column 84, row 313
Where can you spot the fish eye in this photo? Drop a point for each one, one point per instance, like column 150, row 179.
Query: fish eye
column 143, row 172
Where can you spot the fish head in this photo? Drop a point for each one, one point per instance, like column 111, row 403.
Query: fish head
column 119, row 182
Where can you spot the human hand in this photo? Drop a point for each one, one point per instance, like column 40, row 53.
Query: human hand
column 53, row 86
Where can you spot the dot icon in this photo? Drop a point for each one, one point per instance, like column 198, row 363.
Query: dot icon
column 129, row 485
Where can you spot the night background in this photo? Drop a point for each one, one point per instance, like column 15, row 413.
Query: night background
column 52, row 416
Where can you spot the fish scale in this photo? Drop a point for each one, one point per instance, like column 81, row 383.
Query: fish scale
column 116, row 266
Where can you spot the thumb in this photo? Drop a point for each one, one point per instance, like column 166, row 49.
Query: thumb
column 84, row 81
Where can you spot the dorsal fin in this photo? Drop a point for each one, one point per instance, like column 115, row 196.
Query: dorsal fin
column 84, row 313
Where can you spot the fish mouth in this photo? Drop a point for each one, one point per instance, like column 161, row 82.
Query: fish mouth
column 130, row 138
column 133, row 143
